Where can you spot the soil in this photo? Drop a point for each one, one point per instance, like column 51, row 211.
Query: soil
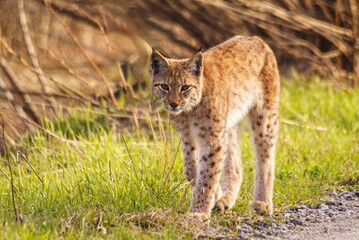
column 336, row 217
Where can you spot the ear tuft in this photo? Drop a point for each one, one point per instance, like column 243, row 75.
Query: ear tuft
column 158, row 62
column 195, row 64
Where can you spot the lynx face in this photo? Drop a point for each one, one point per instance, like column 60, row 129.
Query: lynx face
column 176, row 83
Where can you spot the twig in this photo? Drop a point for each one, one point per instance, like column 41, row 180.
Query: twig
column 118, row 65
column 173, row 192
column 24, row 97
column 355, row 28
column 31, row 49
column 161, row 128
column 62, row 87
column 11, row 177
column 109, row 169
column 128, row 151
column 172, row 165
column 95, row 67
column 82, row 80
column 184, row 193
column 37, row 175
column 71, row 142
column 137, row 126
column 13, row 129
column 17, row 190
column 129, row 114
column 153, row 131
column 18, row 167
column 294, row 112
column 290, row 122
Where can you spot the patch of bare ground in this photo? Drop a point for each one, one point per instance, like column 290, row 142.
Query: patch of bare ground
column 336, row 217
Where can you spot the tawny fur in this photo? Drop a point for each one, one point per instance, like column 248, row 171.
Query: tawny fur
column 207, row 97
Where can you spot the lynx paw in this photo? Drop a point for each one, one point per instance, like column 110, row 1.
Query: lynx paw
column 223, row 204
column 197, row 216
column 260, row 208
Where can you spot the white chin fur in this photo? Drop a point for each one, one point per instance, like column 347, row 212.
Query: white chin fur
column 175, row 112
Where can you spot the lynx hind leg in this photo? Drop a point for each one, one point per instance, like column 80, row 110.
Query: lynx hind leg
column 264, row 119
column 232, row 170
column 265, row 125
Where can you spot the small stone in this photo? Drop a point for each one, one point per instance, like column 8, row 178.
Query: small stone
column 342, row 209
column 302, row 206
column 356, row 194
column 270, row 233
column 246, row 219
column 244, row 228
column 248, row 226
column 297, row 222
column 348, row 197
column 243, row 236
column 293, row 209
column 272, row 224
column 330, row 203
column 259, row 235
column 226, row 230
column 321, row 206
column 261, row 224
column 282, row 226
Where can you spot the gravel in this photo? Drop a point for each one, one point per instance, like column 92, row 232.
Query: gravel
column 333, row 218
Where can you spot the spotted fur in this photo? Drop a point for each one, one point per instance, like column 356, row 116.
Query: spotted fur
column 207, row 97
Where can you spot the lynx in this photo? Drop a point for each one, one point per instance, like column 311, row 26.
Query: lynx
column 207, row 96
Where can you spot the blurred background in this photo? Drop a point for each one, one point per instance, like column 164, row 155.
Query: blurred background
column 56, row 55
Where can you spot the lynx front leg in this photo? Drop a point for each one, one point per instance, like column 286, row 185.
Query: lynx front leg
column 265, row 126
column 232, row 170
column 190, row 152
column 208, row 173
column 190, row 158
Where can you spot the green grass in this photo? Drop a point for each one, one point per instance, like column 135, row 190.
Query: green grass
column 92, row 186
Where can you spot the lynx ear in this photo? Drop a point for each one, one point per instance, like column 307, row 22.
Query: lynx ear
column 195, row 64
column 158, row 63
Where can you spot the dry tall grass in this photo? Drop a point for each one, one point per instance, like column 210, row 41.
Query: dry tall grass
column 58, row 53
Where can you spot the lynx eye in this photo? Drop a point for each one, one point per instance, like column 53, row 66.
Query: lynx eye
column 185, row 88
column 164, row 87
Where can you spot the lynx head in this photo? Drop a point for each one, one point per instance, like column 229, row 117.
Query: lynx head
column 176, row 83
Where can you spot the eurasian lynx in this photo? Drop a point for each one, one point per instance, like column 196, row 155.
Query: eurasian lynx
column 207, row 96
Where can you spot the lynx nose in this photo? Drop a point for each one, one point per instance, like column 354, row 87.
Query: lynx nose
column 173, row 105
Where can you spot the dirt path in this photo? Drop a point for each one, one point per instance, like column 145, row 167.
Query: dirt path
column 344, row 227
column 335, row 218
